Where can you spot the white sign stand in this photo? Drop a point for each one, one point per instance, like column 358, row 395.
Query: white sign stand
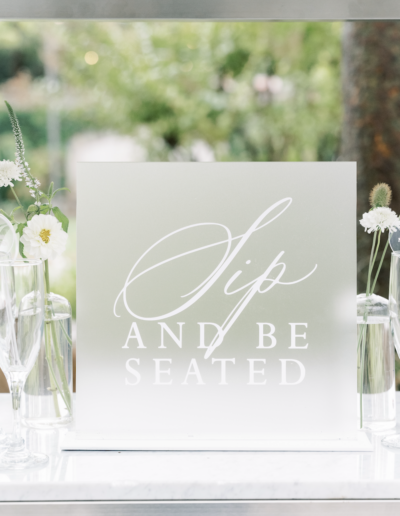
column 217, row 309
column 72, row 441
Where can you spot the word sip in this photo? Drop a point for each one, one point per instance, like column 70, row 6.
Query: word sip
column 273, row 275
column 266, row 335
column 193, row 376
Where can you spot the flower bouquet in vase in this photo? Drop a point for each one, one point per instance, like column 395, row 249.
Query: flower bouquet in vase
column 42, row 230
column 375, row 350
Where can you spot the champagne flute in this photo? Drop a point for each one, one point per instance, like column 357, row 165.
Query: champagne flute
column 21, row 330
column 8, row 251
column 8, row 239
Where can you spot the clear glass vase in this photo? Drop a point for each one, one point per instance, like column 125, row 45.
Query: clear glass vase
column 393, row 441
column 375, row 364
column 47, row 395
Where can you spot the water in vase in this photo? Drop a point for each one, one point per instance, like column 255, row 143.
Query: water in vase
column 47, row 400
column 379, row 403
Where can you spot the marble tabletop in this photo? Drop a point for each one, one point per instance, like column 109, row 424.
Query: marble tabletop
column 90, row 475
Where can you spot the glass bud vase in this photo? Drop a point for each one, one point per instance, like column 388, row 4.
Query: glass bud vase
column 47, row 396
column 375, row 364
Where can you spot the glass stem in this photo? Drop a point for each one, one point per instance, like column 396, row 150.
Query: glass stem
column 16, row 391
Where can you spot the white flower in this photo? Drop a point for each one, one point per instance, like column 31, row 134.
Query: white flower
column 8, row 172
column 44, row 237
column 380, row 218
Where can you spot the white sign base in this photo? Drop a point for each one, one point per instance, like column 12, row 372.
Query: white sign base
column 73, row 441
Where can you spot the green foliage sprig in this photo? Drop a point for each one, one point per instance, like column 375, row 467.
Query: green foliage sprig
column 38, row 208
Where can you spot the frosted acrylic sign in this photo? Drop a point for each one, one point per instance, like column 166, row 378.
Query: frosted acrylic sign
column 217, row 301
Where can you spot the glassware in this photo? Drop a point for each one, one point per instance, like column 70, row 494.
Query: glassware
column 375, row 361
column 47, row 396
column 8, row 239
column 393, row 441
column 21, row 329
column 8, row 251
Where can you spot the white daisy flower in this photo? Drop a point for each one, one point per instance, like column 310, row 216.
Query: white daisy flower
column 380, row 218
column 8, row 172
column 44, row 237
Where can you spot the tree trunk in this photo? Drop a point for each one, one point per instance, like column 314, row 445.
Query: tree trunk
column 371, row 122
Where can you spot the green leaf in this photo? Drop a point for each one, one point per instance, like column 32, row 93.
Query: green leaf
column 44, row 208
column 61, row 218
column 15, row 209
column 20, row 230
column 12, row 214
column 44, row 195
column 59, row 190
column 32, row 211
column 21, row 249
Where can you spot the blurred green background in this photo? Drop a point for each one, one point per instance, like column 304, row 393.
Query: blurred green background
column 171, row 91
column 166, row 92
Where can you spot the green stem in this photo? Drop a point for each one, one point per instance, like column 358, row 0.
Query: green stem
column 64, row 391
column 372, row 260
column 360, row 336
column 380, row 265
column 66, row 335
column 47, row 341
column 364, row 335
column 52, row 376
column 46, row 276
column 370, row 267
column 18, row 201
column 363, row 331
